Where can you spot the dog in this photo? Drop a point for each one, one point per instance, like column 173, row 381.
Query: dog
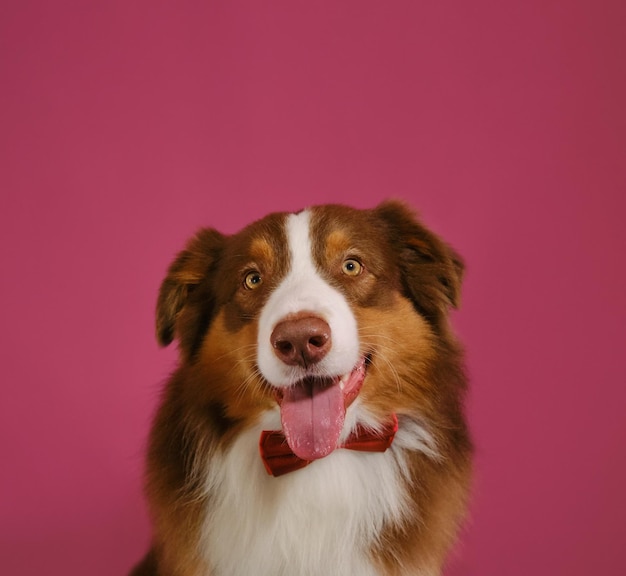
column 315, row 423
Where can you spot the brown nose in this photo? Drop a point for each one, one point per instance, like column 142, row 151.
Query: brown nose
column 301, row 341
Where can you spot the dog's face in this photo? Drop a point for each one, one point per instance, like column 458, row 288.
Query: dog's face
column 317, row 313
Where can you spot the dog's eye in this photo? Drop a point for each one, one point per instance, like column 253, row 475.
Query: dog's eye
column 252, row 280
column 352, row 267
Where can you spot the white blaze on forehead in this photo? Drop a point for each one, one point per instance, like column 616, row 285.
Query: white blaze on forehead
column 304, row 290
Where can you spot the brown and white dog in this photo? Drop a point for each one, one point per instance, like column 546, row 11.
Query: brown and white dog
column 315, row 424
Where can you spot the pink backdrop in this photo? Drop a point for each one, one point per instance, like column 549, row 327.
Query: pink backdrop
column 125, row 125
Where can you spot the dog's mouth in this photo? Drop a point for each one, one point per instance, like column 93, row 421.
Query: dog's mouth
column 313, row 410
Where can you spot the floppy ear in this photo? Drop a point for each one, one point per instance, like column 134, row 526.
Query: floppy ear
column 431, row 271
column 181, row 312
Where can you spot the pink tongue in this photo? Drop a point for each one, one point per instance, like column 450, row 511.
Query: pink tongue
column 312, row 415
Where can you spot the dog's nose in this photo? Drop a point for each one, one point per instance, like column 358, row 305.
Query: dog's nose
column 301, row 341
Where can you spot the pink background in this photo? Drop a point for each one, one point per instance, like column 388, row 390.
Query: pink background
column 125, row 125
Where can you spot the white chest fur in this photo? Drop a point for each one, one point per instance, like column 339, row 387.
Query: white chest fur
column 317, row 521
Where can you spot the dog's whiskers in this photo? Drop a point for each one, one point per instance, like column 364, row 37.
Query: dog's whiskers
column 380, row 352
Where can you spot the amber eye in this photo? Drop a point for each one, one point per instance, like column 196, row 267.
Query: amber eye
column 252, row 280
column 352, row 267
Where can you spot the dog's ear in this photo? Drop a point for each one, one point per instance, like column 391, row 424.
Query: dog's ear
column 431, row 271
column 181, row 311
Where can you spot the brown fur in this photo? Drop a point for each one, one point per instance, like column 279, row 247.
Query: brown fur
column 217, row 392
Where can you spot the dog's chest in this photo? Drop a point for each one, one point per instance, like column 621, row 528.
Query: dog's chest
column 323, row 519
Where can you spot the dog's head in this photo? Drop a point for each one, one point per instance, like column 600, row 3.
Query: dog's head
column 315, row 311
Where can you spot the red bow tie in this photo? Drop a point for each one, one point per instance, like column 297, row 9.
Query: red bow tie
column 279, row 459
